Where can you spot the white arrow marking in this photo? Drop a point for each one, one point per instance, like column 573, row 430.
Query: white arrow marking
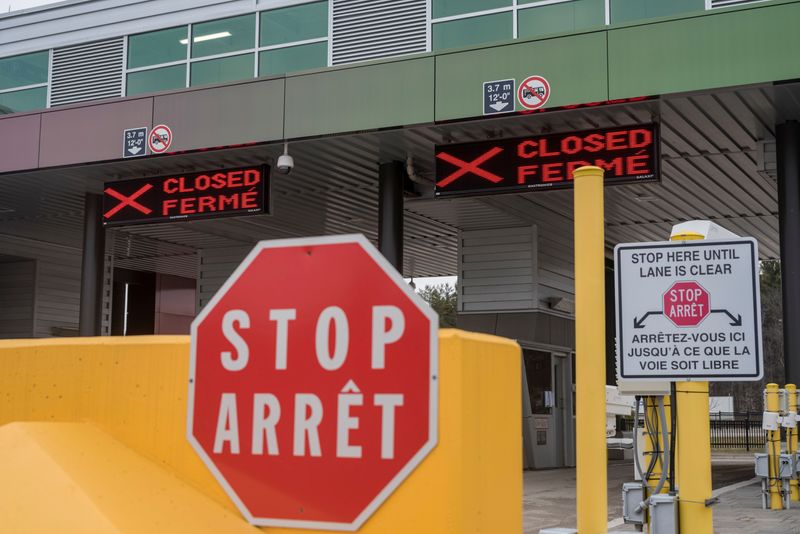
column 134, row 150
column 497, row 106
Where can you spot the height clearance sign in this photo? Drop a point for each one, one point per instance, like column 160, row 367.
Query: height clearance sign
column 311, row 399
column 688, row 310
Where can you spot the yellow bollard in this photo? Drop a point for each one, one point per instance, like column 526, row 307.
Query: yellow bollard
column 774, row 451
column 693, row 454
column 791, row 439
column 590, row 346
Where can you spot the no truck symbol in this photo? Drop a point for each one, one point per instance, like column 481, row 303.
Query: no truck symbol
column 160, row 139
column 533, row 92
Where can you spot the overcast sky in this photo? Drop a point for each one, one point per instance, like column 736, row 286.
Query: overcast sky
column 22, row 4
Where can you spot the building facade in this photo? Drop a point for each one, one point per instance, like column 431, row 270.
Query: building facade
column 366, row 96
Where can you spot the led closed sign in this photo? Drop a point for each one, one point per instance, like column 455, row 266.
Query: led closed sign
column 628, row 154
column 196, row 195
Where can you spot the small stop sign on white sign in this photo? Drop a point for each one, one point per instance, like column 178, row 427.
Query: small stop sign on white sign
column 313, row 383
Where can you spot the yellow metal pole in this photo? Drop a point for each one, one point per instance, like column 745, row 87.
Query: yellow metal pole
column 693, row 454
column 791, row 439
column 590, row 347
column 774, row 451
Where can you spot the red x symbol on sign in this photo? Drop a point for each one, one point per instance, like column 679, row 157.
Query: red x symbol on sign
column 127, row 201
column 471, row 166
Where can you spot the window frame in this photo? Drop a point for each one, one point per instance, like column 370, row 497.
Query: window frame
column 45, row 83
column 515, row 7
column 256, row 49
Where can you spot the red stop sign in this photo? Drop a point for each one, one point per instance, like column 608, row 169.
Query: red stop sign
column 313, row 383
column 686, row 303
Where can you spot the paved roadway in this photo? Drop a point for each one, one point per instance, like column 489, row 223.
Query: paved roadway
column 549, row 499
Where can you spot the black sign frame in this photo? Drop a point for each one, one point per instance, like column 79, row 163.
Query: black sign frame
column 497, row 167
column 144, row 200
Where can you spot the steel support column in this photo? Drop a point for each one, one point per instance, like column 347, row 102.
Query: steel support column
column 92, row 266
column 788, row 148
column 390, row 212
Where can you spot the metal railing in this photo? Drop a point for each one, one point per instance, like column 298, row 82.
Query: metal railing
column 729, row 430
column 737, row 430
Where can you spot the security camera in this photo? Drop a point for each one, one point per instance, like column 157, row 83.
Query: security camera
column 285, row 162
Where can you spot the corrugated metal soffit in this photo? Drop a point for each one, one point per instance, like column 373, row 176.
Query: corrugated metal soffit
column 87, row 72
column 371, row 29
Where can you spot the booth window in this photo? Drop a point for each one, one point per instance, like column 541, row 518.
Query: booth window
column 457, row 23
column 448, row 8
column 473, row 30
column 160, row 79
column 226, row 69
column 227, row 50
column 280, row 60
column 296, row 23
column 562, row 17
column 223, row 36
column 155, row 48
column 23, row 82
column 632, row 10
column 25, row 100
column 293, row 38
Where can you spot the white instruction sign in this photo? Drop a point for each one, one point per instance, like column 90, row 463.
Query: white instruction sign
column 688, row 310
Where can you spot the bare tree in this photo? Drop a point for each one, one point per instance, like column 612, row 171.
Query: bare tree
column 747, row 396
column 442, row 298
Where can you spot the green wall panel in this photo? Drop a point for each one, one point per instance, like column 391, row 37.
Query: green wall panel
column 574, row 66
column 360, row 98
column 719, row 50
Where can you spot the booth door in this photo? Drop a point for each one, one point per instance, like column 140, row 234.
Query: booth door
column 547, row 408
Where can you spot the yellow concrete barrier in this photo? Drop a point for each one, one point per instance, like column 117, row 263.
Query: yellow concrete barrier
column 134, row 391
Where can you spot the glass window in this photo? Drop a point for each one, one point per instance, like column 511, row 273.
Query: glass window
column 25, row 100
column 225, row 35
column 18, row 71
column 291, row 58
column 296, row 23
column 226, row 69
column 630, row 10
column 446, row 8
column 569, row 16
column 540, row 381
column 153, row 48
column 149, row 81
column 475, row 30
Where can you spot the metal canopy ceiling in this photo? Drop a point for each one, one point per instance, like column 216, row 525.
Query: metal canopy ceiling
column 710, row 170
